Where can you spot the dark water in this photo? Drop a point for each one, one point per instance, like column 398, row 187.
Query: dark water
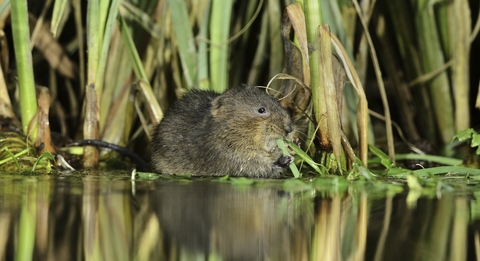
column 87, row 217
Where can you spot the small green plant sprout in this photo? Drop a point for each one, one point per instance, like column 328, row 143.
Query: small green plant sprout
column 44, row 160
column 471, row 136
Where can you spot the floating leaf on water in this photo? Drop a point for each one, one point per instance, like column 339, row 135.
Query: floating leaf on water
column 148, row 175
column 242, row 181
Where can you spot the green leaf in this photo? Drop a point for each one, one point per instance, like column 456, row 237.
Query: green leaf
column 471, row 135
column 304, row 156
column 292, row 166
column 384, row 159
column 475, row 140
column 464, row 134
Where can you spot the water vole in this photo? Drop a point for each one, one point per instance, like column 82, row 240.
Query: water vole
column 210, row 134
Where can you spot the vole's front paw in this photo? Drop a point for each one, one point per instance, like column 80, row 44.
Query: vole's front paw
column 284, row 161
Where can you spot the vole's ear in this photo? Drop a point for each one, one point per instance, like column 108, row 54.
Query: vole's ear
column 217, row 105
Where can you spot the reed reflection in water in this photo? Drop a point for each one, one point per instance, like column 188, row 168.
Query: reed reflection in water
column 112, row 218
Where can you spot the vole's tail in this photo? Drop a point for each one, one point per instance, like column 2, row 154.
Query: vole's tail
column 141, row 163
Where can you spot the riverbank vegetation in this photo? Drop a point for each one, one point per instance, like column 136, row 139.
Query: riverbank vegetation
column 398, row 75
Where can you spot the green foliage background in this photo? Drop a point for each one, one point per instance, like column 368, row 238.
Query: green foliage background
column 93, row 54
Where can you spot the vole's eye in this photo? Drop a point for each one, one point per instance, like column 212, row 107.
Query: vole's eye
column 262, row 110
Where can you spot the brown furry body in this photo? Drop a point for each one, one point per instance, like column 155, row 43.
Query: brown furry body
column 211, row 134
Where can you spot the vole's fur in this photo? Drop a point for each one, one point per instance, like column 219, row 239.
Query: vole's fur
column 234, row 133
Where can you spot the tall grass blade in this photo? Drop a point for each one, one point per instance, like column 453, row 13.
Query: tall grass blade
column 402, row 95
column 185, row 41
column 77, row 5
column 23, row 55
column 118, row 78
column 202, row 62
column 38, row 23
column 154, row 109
column 91, row 127
column 142, row 18
column 432, row 57
column 4, row 6
column 58, row 12
column 144, row 86
column 330, row 92
column 93, row 39
column 130, row 45
column 219, row 34
column 102, row 61
column 381, row 85
column 297, row 18
column 460, row 35
column 362, row 107
column 313, row 19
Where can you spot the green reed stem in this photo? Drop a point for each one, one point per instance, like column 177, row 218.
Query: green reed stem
column 21, row 44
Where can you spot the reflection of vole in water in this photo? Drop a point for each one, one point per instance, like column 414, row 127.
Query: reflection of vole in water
column 230, row 222
column 211, row 134
column 234, row 133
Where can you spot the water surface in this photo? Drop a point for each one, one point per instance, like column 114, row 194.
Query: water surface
column 110, row 217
